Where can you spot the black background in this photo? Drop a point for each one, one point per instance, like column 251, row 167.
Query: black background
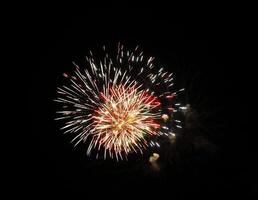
column 206, row 58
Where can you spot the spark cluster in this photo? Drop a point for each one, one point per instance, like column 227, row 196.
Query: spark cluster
column 119, row 104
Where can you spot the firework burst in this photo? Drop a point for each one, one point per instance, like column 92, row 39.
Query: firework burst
column 118, row 105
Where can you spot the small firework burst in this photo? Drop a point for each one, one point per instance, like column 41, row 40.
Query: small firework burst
column 118, row 105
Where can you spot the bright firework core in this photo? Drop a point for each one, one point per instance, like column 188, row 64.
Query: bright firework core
column 125, row 118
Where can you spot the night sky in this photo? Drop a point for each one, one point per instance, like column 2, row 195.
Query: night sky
column 211, row 159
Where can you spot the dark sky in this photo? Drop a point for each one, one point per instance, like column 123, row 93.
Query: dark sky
column 204, row 55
